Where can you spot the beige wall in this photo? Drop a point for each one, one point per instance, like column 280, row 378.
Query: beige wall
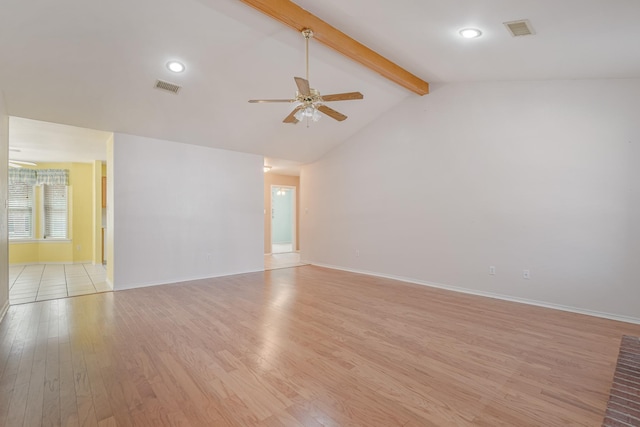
column 97, row 168
column 274, row 179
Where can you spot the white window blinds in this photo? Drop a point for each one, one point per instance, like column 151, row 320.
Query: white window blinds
column 55, row 211
column 20, row 211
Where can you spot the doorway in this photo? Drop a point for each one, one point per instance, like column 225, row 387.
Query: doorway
column 55, row 215
column 283, row 219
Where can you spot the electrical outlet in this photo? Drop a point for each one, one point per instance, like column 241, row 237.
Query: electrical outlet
column 357, row 252
column 492, row 270
column 526, row 274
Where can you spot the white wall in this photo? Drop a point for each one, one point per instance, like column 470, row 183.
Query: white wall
column 184, row 212
column 540, row 175
column 4, row 233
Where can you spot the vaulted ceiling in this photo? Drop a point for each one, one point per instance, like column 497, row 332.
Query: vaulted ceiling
column 94, row 64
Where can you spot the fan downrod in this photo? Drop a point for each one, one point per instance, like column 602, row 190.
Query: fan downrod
column 307, row 33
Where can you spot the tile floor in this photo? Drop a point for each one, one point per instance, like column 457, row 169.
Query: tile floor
column 275, row 261
column 39, row 282
column 278, row 248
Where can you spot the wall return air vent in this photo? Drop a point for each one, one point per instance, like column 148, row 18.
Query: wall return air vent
column 520, row 28
column 169, row 87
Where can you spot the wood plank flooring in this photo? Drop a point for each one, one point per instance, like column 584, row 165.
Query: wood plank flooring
column 306, row 347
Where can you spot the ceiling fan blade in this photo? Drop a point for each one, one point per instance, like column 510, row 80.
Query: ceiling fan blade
column 261, row 101
column 331, row 113
column 291, row 117
column 303, row 86
column 342, row 96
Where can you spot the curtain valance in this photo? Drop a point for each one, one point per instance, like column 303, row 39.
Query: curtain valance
column 22, row 176
column 37, row 177
column 52, row 176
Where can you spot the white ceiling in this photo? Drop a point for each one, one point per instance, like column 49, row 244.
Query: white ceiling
column 37, row 141
column 93, row 64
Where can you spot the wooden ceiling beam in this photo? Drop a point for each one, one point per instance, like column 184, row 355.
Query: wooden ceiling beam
column 297, row 18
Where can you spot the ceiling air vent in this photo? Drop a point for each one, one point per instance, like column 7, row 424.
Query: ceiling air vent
column 520, row 28
column 169, row 87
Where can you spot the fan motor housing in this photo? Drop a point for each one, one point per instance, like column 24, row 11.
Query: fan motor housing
column 314, row 96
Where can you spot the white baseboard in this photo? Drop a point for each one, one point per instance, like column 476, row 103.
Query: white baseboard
column 175, row 280
column 560, row 307
column 4, row 310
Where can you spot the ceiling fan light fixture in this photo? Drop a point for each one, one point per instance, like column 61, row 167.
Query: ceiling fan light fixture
column 470, row 33
column 309, row 112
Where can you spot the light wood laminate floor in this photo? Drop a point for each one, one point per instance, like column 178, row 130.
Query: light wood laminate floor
column 306, row 347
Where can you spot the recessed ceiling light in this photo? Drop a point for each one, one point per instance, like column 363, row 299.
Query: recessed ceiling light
column 470, row 33
column 175, row 66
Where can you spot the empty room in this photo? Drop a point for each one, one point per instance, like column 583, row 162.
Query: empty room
column 453, row 187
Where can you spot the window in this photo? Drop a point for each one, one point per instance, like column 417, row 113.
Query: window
column 20, row 211
column 55, row 211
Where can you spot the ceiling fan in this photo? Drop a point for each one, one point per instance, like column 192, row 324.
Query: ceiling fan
column 310, row 102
